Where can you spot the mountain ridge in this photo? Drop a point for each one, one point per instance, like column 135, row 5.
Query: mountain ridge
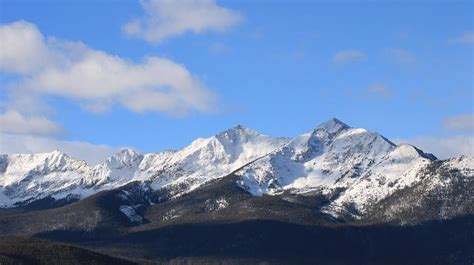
column 362, row 167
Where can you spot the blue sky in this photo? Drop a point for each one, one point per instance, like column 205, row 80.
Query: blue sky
column 401, row 68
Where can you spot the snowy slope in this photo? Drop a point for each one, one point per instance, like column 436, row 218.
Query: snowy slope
column 398, row 169
column 442, row 190
column 206, row 158
column 29, row 177
column 364, row 164
column 332, row 152
column 116, row 170
column 24, row 177
column 209, row 158
column 361, row 167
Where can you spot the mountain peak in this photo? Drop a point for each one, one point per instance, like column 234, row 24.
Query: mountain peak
column 54, row 153
column 237, row 133
column 125, row 156
column 333, row 126
column 239, row 128
column 128, row 151
column 57, row 152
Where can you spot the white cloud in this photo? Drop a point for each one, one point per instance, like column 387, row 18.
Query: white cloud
column 400, row 56
column 154, row 85
column 170, row 18
column 27, row 144
column 96, row 79
column 25, row 101
column 23, row 48
column 464, row 38
column 379, row 89
column 347, row 56
column 443, row 147
column 460, row 122
column 14, row 122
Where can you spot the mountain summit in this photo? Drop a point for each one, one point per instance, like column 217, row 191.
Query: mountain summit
column 333, row 126
column 334, row 157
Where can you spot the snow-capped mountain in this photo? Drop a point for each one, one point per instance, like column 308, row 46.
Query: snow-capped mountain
column 318, row 158
column 441, row 190
column 334, row 156
column 206, row 159
column 24, row 177
column 116, row 170
column 356, row 168
column 35, row 176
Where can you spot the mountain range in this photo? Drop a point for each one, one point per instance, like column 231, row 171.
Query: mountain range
column 333, row 182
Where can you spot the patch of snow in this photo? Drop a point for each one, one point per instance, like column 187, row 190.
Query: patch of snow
column 131, row 214
column 215, row 205
column 170, row 215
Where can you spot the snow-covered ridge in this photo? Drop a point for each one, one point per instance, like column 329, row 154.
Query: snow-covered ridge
column 318, row 158
column 366, row 166
column 34, row 176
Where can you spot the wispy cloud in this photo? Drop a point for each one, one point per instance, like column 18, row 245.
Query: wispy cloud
column 14, row 122
column 463, row 122
column 348, row 56
column 170, row 18
column 379, row 89
column 28, row 144
column 443, row 147
column 448, row 146
column 400, row 56
column 465, row 38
